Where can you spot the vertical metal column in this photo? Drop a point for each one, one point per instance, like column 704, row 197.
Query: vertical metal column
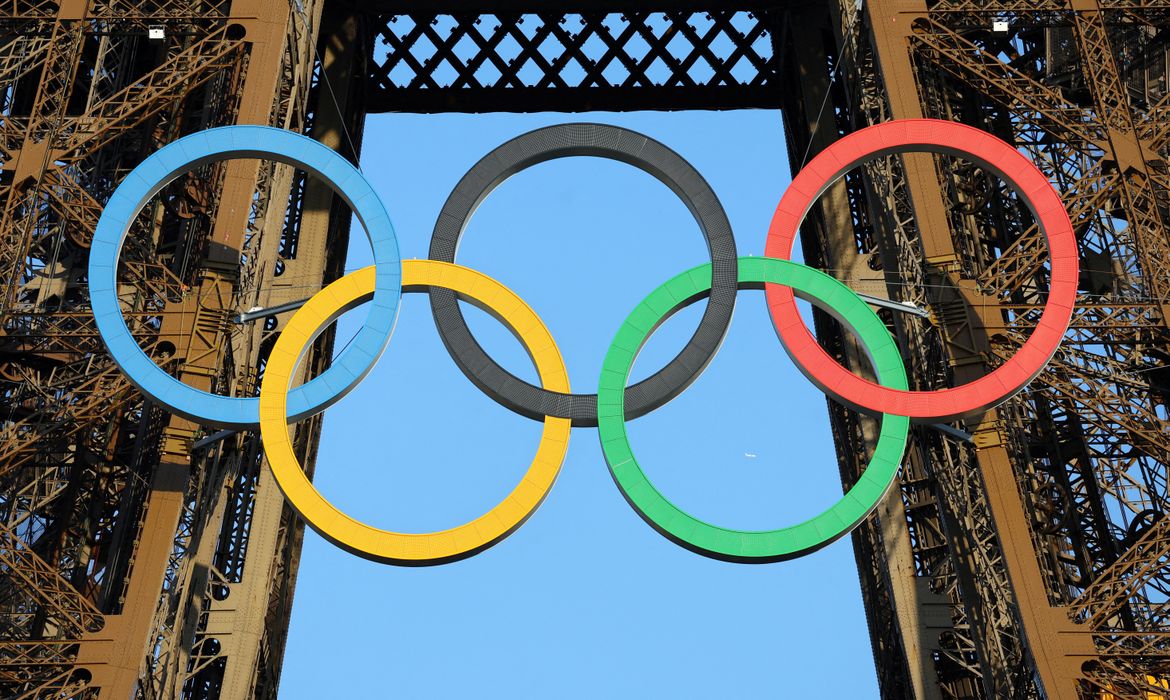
column 142, row 559
column 1049, row 568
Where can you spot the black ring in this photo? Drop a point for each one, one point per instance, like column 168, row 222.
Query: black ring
column 602, row 141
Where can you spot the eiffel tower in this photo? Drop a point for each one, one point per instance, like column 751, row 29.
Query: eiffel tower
column 1022, row 555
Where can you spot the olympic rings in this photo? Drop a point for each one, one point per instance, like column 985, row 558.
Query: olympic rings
column 737, row 545
column 615, row 403
column 148, row 179
column 937, row 137
column 394, row 547
column 602, row 141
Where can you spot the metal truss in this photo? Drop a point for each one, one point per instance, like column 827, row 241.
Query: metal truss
column 513, row 57
column 132, row 564
column 1031, row 562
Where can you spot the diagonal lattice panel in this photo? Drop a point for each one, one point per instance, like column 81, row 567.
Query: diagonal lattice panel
column 574, row 61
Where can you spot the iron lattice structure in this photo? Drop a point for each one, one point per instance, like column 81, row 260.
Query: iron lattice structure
column 1025, row 553
column 139, row 556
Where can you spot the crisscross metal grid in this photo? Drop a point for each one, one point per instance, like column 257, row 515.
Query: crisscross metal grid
column 575, row 61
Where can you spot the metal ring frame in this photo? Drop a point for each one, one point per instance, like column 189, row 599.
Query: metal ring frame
column 410, row 549
column 935, row 136
column 602, row 141
column 223, row 143
column 750, row 547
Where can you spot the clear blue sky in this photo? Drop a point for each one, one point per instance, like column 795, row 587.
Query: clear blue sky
column 585, row 600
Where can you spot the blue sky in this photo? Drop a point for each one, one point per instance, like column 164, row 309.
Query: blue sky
column 585, row 600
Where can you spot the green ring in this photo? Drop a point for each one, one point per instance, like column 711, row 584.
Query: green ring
column 739, row 545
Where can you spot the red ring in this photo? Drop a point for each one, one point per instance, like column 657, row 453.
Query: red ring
column 935, row 136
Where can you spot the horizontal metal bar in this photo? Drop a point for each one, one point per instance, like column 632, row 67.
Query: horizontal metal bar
column 253, row 314
column 381, row 98
column 214, row 437
column 420, row 8
column 954, row 432
column 903, row 306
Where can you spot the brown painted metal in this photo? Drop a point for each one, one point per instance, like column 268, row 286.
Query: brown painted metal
column 1050, row 636
column 133, row 565
column 1044, row 539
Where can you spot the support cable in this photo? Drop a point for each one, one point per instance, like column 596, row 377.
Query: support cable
column 848, row 31
column 299, row 10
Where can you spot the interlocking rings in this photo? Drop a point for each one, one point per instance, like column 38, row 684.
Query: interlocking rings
column 189, row 152
column 615, row 403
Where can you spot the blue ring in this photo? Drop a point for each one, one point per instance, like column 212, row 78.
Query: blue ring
column 189, row 152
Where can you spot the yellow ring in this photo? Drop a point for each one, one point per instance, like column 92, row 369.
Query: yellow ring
column 397, row 547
